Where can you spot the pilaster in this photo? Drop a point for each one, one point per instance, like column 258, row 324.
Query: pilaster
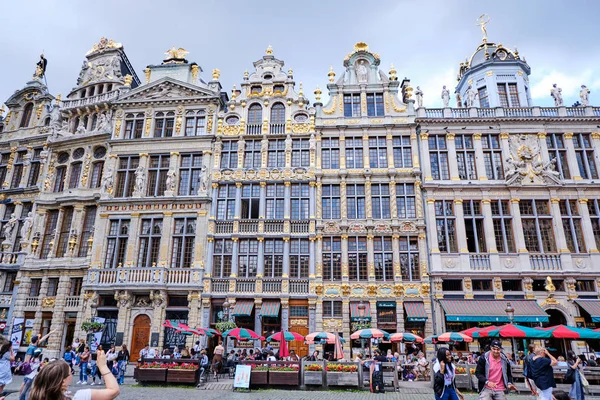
column 571, row 157
column 452, row 160
column 586, row 226
column 479, row 162
column 424, row 148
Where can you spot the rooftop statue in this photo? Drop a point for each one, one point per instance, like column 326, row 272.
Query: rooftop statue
column 584, row 95
column 556, row 94
column 445, row 96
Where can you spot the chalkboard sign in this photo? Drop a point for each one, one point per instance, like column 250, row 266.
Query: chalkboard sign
column 119, row 339
column 154, row 339
column 242, row 377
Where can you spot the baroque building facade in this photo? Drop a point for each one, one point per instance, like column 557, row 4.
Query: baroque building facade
column 133, row 202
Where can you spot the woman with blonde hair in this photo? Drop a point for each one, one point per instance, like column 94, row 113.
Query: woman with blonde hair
column 54, row 379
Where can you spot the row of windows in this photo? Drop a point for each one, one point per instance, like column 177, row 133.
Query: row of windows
column 164, row 124
column 507, row 94
column 36, row 284
column 19, row 168
column 9, row 210
column 536, row 220
column 515, row 285
column 492, row 156
column 374, row 103
column 60, row 240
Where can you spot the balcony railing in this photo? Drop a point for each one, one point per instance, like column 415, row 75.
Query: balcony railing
column 99, row 98
column 254, row 129
column 32, row 301
column 245, row 285
column 575, row 112
column 486, row 112
column 10, row 258
column 298, row 286
column 72, row 302
column 140, row 276
column 518, row 112
column 277, row 129
column 508, row 112
column 480, row 262
column 460, row 113
column 271, row 286
column 220, row 285
column 274, row 226
column 224, row 227
column 434, row 113
column 548, row 112
column 248, row 226
column 545, row 262
column 299, row 226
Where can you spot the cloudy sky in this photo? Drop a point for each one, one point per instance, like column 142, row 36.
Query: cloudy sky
column 425, row 40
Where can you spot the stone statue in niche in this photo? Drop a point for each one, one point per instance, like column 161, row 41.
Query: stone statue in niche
column 445, row 96
column 362, row 72
column 80, row 127
column 26, row 228
column 203, row 179
column 556, row 94
column 9, row 227
column 108, row 181
column 170, row 181
column 140, row 179
column 103, row 123
column 84, row 69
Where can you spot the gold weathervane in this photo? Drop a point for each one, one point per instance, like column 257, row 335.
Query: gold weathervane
column 481, row 22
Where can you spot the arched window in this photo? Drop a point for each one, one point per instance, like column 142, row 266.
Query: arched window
column 255, row 119
column 94, row 121
column 277, row 118
column 26, row 115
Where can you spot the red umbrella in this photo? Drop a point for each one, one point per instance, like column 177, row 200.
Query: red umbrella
column 514, row 331
column 197, row 331
column 283, row 349
column 288, row 335
column 405, row 337
column 571, row 332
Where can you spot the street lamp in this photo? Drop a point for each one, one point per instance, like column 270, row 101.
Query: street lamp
column 361, row 320
column 90, row 336
column 226, row 310
column 510, row 313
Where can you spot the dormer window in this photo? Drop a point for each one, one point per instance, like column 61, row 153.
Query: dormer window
column 375, row 104
column 255, row 89
column 352, row 105
column 278, row 89
column 484, row 102
column 26, row 115
column 508, row 94
column 268, row 76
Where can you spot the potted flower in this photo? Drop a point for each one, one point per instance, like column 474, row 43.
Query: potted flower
column 284, row 375
column 182, row 372
column 313, row 374
column 342, row 374
column 89, row 326
column 462, row 378
column 151, row 372
column 259, row 374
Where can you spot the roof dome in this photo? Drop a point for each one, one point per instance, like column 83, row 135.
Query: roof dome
column 488, row 52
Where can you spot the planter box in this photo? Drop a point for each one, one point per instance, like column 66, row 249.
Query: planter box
column 182, row 375
column 313, row 378
column 151, row 374
column 258, row 378
column 291, row 378
column 463, row 381
column 475, row 383
column 342, row 378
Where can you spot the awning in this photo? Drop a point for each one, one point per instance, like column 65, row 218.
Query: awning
column 270, row 309
column 492, row 311
column 592, row 307
column 357, row 315
column 415, row 311
column 243, row 308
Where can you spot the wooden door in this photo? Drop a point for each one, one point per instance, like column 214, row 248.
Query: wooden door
column 299, row 347
column 140, row 336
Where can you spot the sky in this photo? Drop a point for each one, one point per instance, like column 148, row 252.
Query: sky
column 425, row 40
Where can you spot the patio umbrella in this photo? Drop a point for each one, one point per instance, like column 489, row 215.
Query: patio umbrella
column 322, row 337
column 197, row 331
column 242, row 334
column 283, row 348
column 405, row 337
column 338, row 352
column 471, row 331
column 514, row 331
column 287, row 335
column 370, row 333
column 175, row 325
column 212, row 332
column 571, row 332
column 448, row 337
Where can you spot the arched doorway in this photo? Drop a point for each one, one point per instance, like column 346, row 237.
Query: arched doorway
column 140, row 335
column 558, row 347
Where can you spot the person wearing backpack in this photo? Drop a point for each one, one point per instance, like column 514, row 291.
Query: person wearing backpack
column 69, row 358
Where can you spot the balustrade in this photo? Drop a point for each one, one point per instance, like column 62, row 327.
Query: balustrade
column 277, row 129
column 248, row 226
column 274, row 226
column 480, row 262
column 140, row 276
column 72, row 302
column 32, row 302
column 486, row 112
column 90, row 100
column 509, row 112
column 220, row 285
column 576, row 111
column 299, row 226
column 225, row 227
column 271, row 286
column 254, row 129
column 434, row 113
column 298, row 286
column 245, row 285
column 545, row 262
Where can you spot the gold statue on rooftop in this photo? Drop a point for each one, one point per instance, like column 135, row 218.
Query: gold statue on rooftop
column 176, row 55
column 481, row 22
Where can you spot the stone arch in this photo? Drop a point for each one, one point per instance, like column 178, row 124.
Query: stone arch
column 568, row 316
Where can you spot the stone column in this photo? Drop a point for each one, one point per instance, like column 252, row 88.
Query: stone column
column 430, row 214
column 26, row 167
column 596, row 146
column 366, row 160
column 312, row 200
column 571, row 157
column 238, row 200
column 205, row 313
column 311, row 251
column 260, row 272
column 213, row 204
column 344, row 245
column 452, row 160
column 101, row 227
column 396, row 257
column 285, row 314
column 370, row 257
column 518, row 231
column 241, row 150
column 318, row 200
column 423, row 251
column 426, row 165
column 479, row 162
column 368, row 201
column 286, row 257
column 543, row 147
column 389, row 146
column 393, row 203
column 202, row 226
column 318, row 314
column 257, row 320
column 262, row 207
column 287, row 192
column 133, row 241
column 343, row 200
column 77, row 226
column 414, row 144
column 461, row 233
column 165, row 240
column 559, row 232
column 56, row 234
column 264, row 152
column 317, row 268
column 346, row 325
column 342, row 142
column 490, row 237
column 193, row 315
column 124, row 302
column 586, row 226
column 58, row 315
column 9, row 168
column 234, row 257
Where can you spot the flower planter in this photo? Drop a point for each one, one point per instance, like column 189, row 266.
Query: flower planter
column 151, row 374
column 259, row 378
column 474, row 383
column 182, row 375
column 290, row 378
column 463, row 381
column 313, row 378
column 342, row 378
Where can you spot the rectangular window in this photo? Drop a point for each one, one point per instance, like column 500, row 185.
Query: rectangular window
column 222, row 258
column 482, row 285
column 275, row 201
column 332, row 309
column 352, row 105
column 378, row 152
column 465, row 154
column 438, row 156
column 34, row 168
column 384, row 266
column 195, row 123
column 59, row 180
column 357, row 258
column 354, row 153
column 402, row 152
column 184, row 239
column 512, row 285
column 375, row 104
column 250, row 201
column 571, row 221
column 9, row 281
column 585, row 155
column 75, row 286
column 330, row 202
column 380, row 200
column 75, row 175
column 513, row 94
column 157, row 175
column 299, row 258
column 273, row 258
column 18, row 169
column 248, row 258
column 585, row 285
column 330, row 153
column 332, row 259
column 226, row 202
column 34, row 289
column 594, row 210
column 52, row 287
column 474, row 226
column 537, row 226
column 406, row 200
column 503, row 231
column 96, row 178
column 126, row 176
column 558, row 154
column 150, row 235
column 276, row 155
column 492, row 157
column 484, row 101
column 190, row 174
column 134, row 126
column 229, row 155
column 65, row 231
column 4, row 157
column 503, row 96
column 51, row 224
column 300, row 153
column 452, row 285
column 300, row 201
column 116, row 243
column 355, row 194
column 409, row 258
column 252, row 154
column 446, row 226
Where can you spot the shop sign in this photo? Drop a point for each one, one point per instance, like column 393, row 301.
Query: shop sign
column 386, row 304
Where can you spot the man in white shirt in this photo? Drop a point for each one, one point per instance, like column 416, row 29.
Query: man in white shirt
column 144, row 352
